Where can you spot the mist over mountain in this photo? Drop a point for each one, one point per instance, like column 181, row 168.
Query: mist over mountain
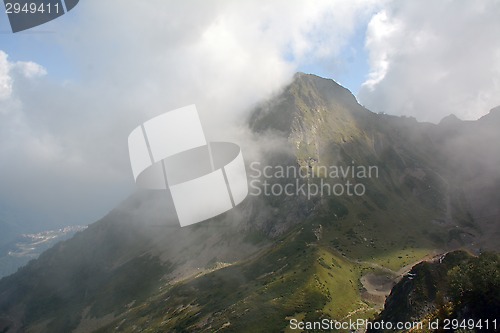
column 278, row 257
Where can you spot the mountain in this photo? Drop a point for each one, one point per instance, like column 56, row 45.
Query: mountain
column 396, row 192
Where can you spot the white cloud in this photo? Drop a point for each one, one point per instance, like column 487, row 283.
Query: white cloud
column 430, row 59
column 5, row 79
column 30, row 69
column 379, row 33
column 64, row 149
column 27, row 69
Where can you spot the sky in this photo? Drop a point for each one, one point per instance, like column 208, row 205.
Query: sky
column 73, row 89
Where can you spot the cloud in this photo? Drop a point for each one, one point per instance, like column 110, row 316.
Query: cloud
column 379, row 32
column 64, row 144
column 27, row 69
column 431, row 59
column 5, row 79
column 30, row 69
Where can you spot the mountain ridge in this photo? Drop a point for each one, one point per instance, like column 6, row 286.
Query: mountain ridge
column 125, row 268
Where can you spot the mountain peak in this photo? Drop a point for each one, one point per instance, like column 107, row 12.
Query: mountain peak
column 252, row 267
column 450, row 120
column 307, row 96
column 323, row 83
